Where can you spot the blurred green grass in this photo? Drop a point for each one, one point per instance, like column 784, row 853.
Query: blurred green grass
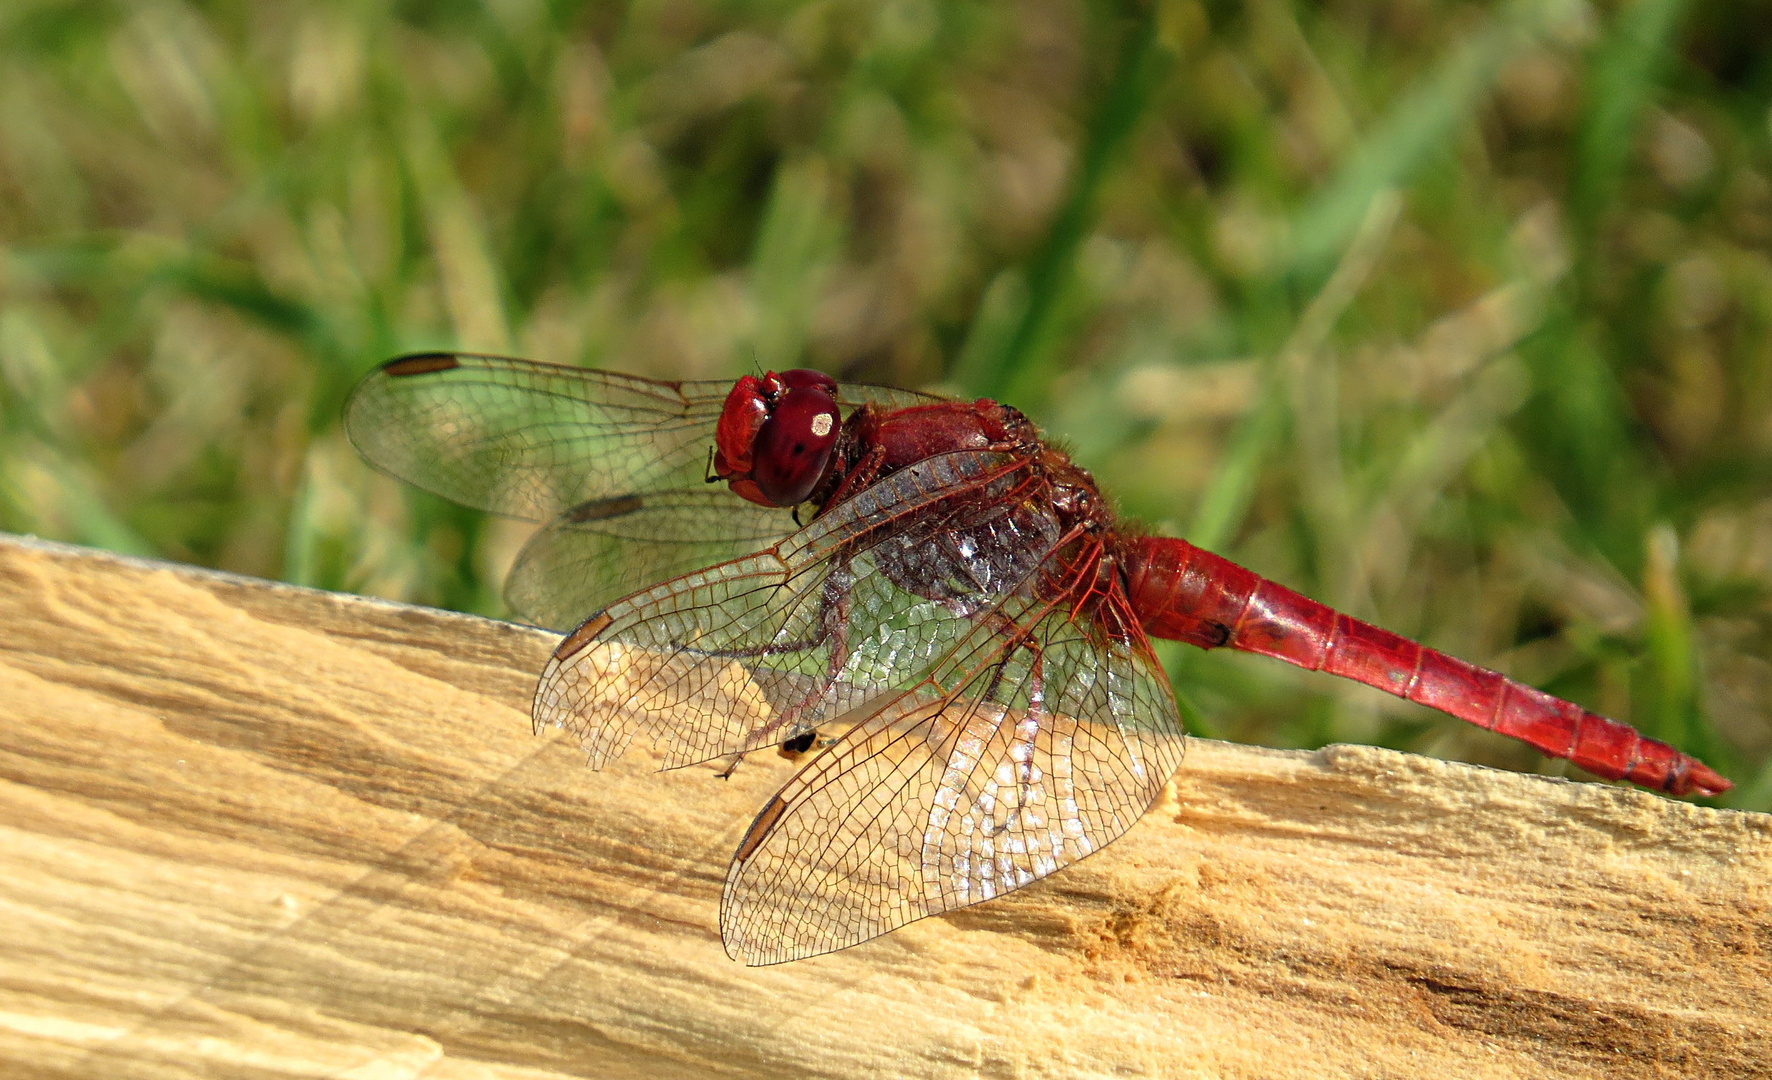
column 1457, row 316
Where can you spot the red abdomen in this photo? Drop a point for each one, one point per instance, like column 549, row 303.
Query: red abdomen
column 1188, row 594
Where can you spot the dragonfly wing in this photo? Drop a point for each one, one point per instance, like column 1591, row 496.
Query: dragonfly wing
column 759, row 649
column 994, row 771
column 886, row 398
column 602, row 550
column 527, row 439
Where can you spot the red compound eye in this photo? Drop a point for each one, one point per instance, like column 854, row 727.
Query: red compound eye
column 745, row 413
column 807, row 378
column 792, row 451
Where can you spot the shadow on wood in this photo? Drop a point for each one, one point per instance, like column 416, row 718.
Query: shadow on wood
column 251, row 829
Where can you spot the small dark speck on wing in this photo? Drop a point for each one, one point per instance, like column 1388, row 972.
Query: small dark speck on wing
column 421, row 364
column 584, row 635
column 753, row 836
column 603, row 509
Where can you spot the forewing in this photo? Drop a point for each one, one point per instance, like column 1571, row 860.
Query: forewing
column 530, row 440
column 761, row 648
column 886, row 398
column 600, row 551
column 991, row 773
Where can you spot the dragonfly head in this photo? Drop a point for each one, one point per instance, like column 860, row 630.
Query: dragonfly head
column 776, row 435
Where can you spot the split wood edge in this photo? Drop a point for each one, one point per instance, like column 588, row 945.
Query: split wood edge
column 369, row 764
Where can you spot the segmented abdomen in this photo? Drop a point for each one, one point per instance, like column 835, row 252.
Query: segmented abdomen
column 1188, row 594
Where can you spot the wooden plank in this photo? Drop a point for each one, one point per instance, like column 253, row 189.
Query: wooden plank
column 253, row 830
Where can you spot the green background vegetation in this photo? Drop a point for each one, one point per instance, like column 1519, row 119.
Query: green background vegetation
column 1457, row 316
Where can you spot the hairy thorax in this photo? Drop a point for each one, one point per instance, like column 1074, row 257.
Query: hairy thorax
column 969, row 550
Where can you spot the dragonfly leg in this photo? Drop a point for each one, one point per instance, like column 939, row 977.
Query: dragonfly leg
column 1019, row 640
column 832, row 621
column 834, row 616
column 835, row 593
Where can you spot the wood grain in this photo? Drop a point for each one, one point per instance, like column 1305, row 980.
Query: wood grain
column 253, row 830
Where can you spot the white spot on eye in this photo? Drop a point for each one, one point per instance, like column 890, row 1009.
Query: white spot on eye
column 821, row 424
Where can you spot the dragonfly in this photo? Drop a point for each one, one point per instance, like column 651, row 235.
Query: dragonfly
column 741, row 564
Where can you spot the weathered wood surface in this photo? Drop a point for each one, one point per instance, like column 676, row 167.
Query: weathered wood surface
column 252, row 830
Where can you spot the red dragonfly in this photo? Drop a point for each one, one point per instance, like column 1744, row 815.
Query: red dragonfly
column 959, row 600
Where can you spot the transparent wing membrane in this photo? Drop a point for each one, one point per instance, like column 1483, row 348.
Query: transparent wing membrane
column 1014, row 757
column 1011, row 717
column 530, row 440
column 1008, row 717
column 756, row 650
column 593, row 555
column 614, row 463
